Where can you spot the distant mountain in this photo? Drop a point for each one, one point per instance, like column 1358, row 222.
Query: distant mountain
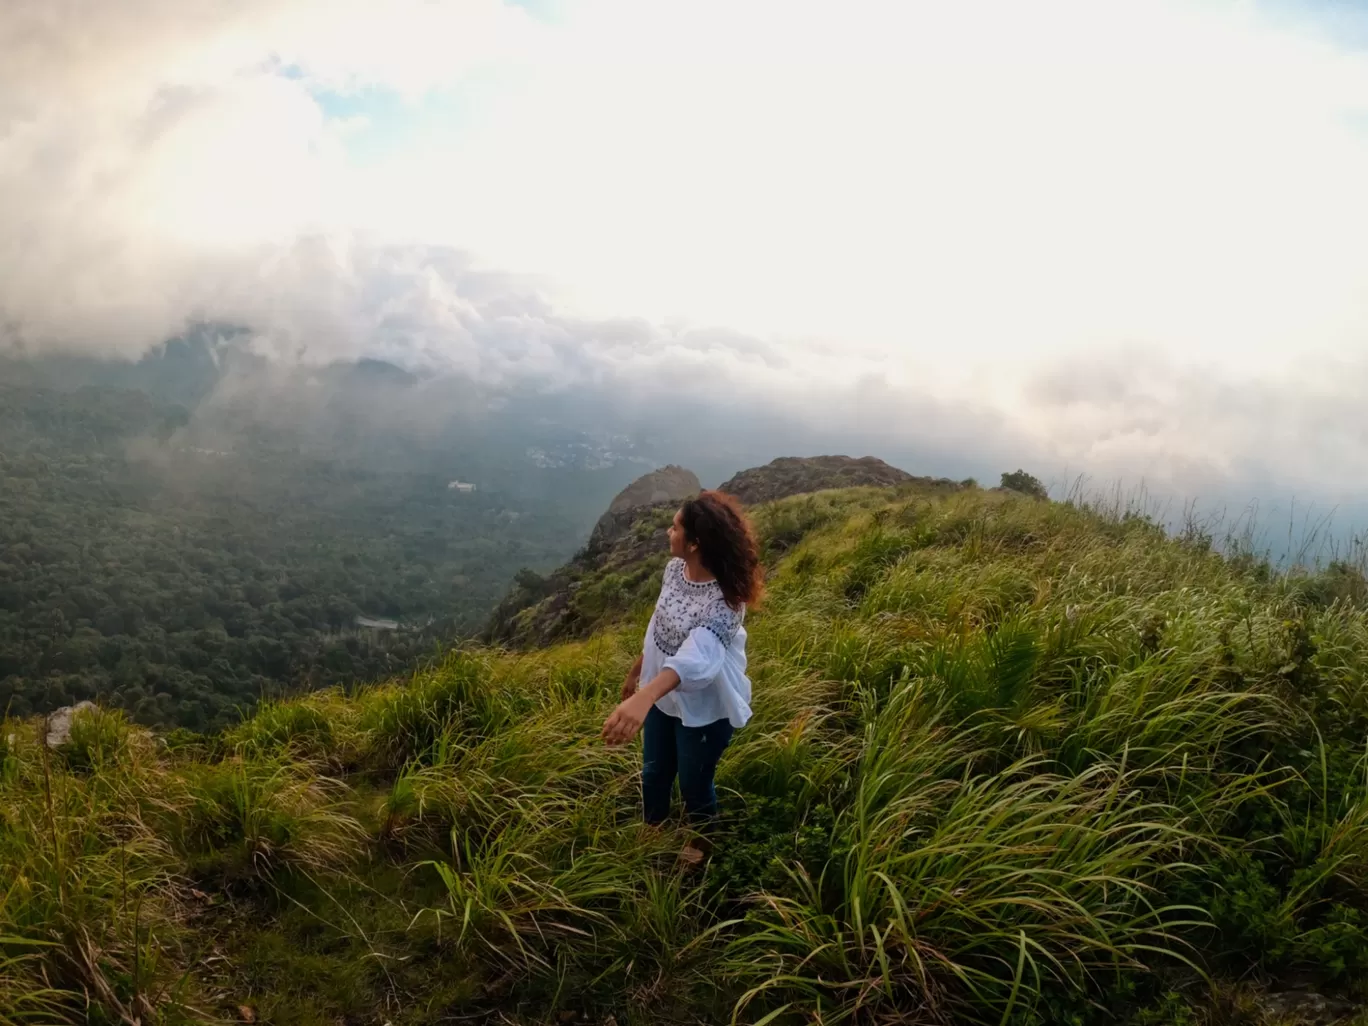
column 794, row 475
column 368, row 373
column 181, row 370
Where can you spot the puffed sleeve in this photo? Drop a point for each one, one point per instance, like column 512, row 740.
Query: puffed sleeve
column 700, row 659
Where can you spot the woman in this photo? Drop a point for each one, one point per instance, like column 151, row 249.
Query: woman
column 693, row 660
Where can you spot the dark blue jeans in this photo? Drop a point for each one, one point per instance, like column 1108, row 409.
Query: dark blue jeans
column 670, row 749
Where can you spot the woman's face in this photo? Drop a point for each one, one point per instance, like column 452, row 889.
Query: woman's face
column 679, row 546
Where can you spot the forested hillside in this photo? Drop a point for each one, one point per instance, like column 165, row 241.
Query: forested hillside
column 1012, row 762
column 181, row 567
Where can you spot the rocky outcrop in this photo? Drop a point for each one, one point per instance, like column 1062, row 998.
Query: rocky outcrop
column 59, row 723
column 619, row 568
column 624, row 553
column 668, row 484
column 796, row 475
column 1306, row 1008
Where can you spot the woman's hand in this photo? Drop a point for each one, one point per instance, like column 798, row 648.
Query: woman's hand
column 627, row 719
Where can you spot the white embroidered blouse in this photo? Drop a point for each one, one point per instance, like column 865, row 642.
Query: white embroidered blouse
column 695, row 633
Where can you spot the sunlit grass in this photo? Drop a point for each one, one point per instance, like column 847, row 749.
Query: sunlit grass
column 1010, row 761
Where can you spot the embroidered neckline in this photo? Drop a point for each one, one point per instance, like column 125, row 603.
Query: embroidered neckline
column 679, row 572
column 680, row 610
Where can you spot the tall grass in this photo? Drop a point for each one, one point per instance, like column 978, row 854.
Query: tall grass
column 87, row 905
column 1011, row 761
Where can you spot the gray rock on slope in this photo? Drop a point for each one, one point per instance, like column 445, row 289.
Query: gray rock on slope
column 667, row 484
column 59, row 723
column 540, row 610
column 670, row 484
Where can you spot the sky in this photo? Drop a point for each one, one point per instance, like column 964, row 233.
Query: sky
column 1122, row 239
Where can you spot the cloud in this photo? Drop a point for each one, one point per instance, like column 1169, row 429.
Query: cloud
column 153, row 154
column 956, row 183
column 1198, row 431
column 1123, row 238
column 86, row 52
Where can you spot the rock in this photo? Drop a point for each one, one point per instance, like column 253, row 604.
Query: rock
column 795, row 475
column 664, row 487
column 628, row 546
column 1306, row 1007
column 615, row 525
column 542, row 611
column 59, row 723
column 668, row 484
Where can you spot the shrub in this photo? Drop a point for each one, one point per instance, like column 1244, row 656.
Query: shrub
column 768, row 839
column 9, row 758
column 98, row 738
column 783, row 525
column 1026, row 484
column 404, row 722
column 1338, row 582
column 284, row 726
column 874, row 554
column 245, row 818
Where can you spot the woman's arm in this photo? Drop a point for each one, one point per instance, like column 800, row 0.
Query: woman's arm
column 629, row 686
column 628, row 717
column 694, row 667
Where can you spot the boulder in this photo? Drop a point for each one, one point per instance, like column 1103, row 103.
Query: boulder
column 667, row 486
column 59, row 723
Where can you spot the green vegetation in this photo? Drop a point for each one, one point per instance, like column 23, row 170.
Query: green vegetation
column 615, row 573
column 1012, row 762
column 1026, row 484
column 183, row 574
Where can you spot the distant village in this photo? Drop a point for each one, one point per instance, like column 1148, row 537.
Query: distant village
column 586, row 456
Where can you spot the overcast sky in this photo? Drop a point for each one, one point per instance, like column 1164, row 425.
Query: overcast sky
column 1123, row 238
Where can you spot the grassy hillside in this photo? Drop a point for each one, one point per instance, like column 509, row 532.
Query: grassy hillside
column 1011, row 762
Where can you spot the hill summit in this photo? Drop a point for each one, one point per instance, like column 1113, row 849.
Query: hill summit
column 622, row 560
column 798, row 475
column 668, row 484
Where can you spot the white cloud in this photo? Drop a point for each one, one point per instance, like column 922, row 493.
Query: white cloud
column 1122, row 232
column 960, row 183
column 155, row 153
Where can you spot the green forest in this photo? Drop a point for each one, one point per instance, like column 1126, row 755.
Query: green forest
column 183, row 575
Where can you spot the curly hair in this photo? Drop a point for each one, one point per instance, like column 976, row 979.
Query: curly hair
column 715, row 522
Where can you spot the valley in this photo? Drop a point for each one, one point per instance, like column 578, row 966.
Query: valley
column 183, row 562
